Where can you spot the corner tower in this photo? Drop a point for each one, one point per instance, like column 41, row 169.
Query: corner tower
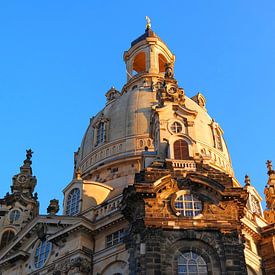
column 20, row 206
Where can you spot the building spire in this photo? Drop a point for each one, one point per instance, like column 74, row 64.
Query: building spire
column 269, row 192
column 148, row 24
column 24, row 182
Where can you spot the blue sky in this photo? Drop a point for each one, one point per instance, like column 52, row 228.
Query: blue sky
column 58, row 58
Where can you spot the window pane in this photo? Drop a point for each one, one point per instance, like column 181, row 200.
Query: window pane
column 73, row 202
column 41, row 253
column 192, row 264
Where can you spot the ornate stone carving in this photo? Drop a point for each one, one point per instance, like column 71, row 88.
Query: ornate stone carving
column 169, row 70
column 41, row 231
column 53, row 207
column 24, row 182
column 74, row 265
column 168, row 91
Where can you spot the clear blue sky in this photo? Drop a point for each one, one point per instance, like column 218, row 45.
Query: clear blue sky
column 58, row 58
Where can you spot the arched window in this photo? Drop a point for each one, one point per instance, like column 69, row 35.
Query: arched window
column 73, row 202
column 139, row 64
column 190, row 263
column 101, row 133
column 6, row 238
column 41, row 253
column 14, row 216
column 181, row 149
column 162, row 61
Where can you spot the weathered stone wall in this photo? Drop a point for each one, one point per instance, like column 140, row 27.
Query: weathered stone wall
column 155, row 251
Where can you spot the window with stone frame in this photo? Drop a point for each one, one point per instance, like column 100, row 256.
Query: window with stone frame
column 187, row 205
column 73, row 202
column 191, row 263
column 255, row 205
column 14, row 215
column 181, row 150
column 7, row 236
column 42, row 252
column 101, row 133
column 114, row 238
column 176, row 127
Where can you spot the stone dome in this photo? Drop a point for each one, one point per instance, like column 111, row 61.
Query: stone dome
column 124, row 129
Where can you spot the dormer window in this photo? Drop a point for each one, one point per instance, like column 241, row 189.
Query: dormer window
column 73, row 201
column 100, row 130
column 101, row 133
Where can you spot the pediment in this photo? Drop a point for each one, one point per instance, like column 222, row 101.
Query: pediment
column 183, row 111
column 20, row 247
column 178, row 109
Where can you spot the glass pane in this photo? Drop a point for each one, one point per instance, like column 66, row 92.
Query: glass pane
column 192, row 268
column 188, row 205
column 194, row 264
column 182, row 268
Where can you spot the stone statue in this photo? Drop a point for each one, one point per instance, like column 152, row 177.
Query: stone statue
column 29, row 154
column 148, row 25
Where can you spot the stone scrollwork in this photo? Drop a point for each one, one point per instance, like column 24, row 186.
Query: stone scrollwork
column 168, row 91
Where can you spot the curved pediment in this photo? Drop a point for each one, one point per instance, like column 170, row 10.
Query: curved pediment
column 94, row 193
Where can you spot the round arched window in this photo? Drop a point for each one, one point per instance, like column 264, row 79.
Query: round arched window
column 187, row 205
column 42, row 252
column 191, row 263
column 73, row 199
column 176, row 127
column 7, row 236
column 14, row 216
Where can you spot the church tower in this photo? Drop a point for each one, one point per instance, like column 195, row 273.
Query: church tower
column 153, row 190
column 20, row 206
column 185, row 207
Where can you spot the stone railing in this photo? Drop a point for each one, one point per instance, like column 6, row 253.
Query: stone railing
column 107, row 208
column 187, row 165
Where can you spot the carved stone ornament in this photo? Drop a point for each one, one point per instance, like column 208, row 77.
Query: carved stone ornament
column 168, row 91
column 53, row 207
column 41, row 231
column 169, row 70
column 74, row 265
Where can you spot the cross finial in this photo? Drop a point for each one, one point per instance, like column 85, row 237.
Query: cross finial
column 148, row 24
column 247, row 180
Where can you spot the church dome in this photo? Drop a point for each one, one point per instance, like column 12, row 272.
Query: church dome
column 144, row 118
